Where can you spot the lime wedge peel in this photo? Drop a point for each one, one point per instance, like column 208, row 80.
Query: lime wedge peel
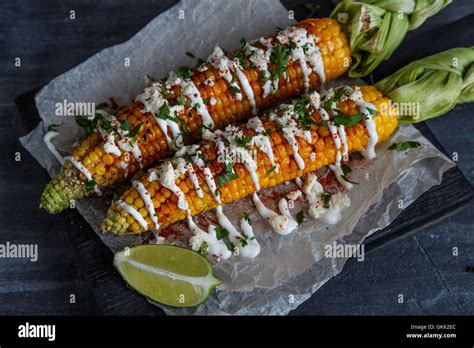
column 169, row 275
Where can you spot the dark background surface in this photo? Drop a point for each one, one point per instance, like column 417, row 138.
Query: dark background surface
column 421, row 267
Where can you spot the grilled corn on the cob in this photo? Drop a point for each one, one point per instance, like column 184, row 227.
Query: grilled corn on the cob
column 225, row 89
column 299, row 138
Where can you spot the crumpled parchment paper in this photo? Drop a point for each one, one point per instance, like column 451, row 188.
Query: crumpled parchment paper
column 290, row 268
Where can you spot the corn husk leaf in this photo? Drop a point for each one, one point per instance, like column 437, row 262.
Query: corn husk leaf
column 432, row 86
column 377, row 27
column 424, row 9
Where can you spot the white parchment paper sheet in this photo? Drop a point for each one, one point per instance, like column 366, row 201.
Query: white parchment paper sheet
column 291, row 268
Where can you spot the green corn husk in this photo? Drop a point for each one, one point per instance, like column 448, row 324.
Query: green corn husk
column 435, row 83
column 377, row 27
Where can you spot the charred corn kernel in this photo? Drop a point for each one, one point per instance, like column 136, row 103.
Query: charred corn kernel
column 357, row 137
column 151, row 140
column 108, row 159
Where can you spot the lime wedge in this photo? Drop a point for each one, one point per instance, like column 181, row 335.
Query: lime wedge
column 167, row 274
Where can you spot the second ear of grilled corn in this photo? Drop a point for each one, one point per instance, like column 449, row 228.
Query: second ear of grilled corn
column 226, row 89
column 302, row 140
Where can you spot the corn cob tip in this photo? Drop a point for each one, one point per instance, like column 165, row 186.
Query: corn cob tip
column 63, row 190
column 108, row 225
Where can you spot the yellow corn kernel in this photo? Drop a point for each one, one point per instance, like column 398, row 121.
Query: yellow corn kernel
column 139, row 203
column 100, row 169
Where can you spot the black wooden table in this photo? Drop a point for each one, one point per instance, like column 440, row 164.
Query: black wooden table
column 74, row 273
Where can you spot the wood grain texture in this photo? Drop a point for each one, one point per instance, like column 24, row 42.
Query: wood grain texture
column 72, row 260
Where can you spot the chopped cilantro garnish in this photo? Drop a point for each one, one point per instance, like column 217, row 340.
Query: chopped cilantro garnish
column 404, row 145
column 247, row 218
column 325, row 198
column 115, row 197
column 133, row 133
column 183, row 126
column 164, row 112
column 187, row 157
column 104, row 123
column 163, row 90
column 243, row 43
column 90, row 126
column 184, row 73
column 90, row 185
column 338, row 93
column 85, row 124
column 346, row 179
column 267, row 132
column 182, row 100
column 300, row 218
column 235, row 89
column 240, row 54
column 227, row 176
column 323, row 123
column 203, row 158
column 373, row 112
column 242, row 141
column 349, row 121
column 204, row 249
column 280, row 58
column 175, row 140
column 304, row 116
column 244, row 240
column 125, row 125
column 272, row 169
column 221, row 232
column 345, row 168
column 230, row 246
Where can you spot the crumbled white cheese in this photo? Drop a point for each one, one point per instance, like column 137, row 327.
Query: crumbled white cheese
column 292, row 197
column 337, row 204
